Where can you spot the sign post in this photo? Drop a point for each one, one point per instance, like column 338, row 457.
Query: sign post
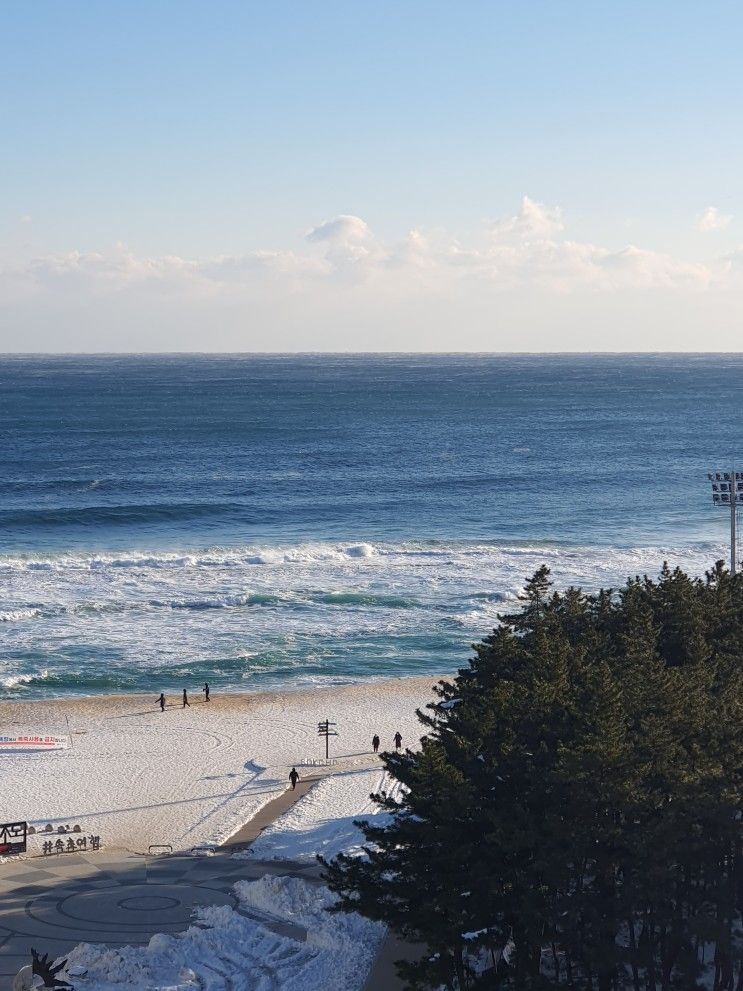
column 13, row 837
column 324, row 729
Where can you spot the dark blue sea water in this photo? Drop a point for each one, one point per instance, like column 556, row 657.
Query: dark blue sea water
column 273, row 520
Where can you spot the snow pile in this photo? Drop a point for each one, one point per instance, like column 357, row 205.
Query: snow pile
column 224, row 948
column 323, row 821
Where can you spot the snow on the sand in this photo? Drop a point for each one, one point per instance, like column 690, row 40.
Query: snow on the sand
column 282, row 935
column 136, row 776
column 323, row 822
column 225, row 949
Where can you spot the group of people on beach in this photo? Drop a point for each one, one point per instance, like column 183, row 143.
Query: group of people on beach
column 160, row 700
column 293, row 775
column 397, row 740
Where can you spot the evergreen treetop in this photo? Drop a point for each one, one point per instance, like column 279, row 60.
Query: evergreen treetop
column 573, row 816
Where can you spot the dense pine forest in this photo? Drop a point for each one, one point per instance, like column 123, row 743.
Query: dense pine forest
column 574, row 815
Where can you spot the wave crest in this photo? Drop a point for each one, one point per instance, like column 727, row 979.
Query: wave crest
column 12, row 681
column 15, row 615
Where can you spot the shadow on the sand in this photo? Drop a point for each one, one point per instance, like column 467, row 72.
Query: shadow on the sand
column 155, row 709
column 76, row 816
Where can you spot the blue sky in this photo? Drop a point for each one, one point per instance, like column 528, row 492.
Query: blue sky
column 209, row 131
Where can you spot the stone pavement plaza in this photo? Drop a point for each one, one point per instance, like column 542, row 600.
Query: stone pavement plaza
column 116, row 899
column 119, row 898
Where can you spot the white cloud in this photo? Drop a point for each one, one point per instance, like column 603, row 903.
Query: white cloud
column 344, row 229
column 119, row 269
column 644, row 269
column 533, row 221
column 713, row 220
column 341, row 258
column 351, row 249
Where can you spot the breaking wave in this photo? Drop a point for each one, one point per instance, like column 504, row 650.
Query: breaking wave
column 15, row 681
column 15, row 615
column 585, row 561
column 281, row 615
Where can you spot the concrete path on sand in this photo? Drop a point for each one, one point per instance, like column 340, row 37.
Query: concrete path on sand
column 269, row 813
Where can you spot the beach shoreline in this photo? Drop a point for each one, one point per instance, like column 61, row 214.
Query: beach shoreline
column 230, row 696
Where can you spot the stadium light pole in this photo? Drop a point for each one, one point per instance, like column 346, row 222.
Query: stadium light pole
column 727, row 491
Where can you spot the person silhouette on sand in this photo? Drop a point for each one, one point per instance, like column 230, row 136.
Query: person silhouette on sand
column 375, row 743
column 185, row 700
column 161, row 702
column 398, row 740
column 206, row 691
column 293, row 777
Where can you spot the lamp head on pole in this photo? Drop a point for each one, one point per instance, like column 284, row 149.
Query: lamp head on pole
column 727, row 487
column 727, row 491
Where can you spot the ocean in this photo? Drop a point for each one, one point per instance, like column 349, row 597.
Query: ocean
column 266, row 521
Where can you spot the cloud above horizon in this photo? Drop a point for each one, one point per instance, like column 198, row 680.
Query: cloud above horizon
column 526, row 249
column 512, row 265
column 713, row 220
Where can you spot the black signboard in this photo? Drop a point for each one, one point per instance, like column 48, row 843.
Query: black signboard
column 12, row 838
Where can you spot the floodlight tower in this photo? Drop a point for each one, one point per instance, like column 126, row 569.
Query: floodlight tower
column 727, row 490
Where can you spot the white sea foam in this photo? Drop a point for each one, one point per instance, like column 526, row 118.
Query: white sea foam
column 360, row 550
column 17, row 680
column 14, row 615
column 270, row 614
column 614, row 559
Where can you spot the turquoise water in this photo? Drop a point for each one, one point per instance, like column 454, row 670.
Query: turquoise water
column 264, row 521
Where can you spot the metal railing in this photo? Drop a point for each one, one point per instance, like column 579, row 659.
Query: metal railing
column 159, row 846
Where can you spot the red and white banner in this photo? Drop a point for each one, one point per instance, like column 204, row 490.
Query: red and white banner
column 40, row 741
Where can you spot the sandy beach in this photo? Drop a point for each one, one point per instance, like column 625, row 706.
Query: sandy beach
column 186, row 777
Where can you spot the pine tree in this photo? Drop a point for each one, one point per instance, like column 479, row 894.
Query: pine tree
column 577, row 797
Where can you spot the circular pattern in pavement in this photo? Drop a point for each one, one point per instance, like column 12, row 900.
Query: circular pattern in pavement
column 148, row 903
column 119, row 910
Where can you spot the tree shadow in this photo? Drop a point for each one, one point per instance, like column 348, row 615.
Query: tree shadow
column 327, row 837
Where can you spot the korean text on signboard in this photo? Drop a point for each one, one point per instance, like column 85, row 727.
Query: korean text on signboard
column 80, row 845
column 45, row 741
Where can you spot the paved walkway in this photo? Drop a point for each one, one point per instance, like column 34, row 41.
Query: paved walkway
column 270, row 813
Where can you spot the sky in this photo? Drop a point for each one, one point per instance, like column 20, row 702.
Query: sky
column 544, row 175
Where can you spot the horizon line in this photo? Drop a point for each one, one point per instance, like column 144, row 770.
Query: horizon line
column 363, row 354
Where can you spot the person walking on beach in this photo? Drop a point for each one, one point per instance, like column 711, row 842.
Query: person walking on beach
column 398, row 740
column 206, row 691
column 185, row 700
column 375, row 743
column 161, row 702
column 293, row 777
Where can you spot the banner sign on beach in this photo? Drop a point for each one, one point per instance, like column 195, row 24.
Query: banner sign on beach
column 12, row 838
column 43, row 741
